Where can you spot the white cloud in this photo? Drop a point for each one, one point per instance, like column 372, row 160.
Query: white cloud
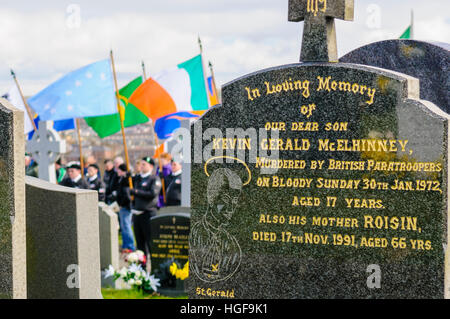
column 43, row 42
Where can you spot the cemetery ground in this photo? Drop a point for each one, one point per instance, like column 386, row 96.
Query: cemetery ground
column 110, row 293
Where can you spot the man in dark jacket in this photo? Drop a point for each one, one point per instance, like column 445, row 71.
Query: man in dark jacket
column 95, row 183
column 108, row 178
column 173, row 185
column 74, row 178
column 146, row 188
column 124, row 201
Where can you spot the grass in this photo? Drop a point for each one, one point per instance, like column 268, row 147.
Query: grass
column 109, row 293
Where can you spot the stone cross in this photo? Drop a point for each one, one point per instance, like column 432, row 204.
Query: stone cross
column 319, row 33
column 45, row 146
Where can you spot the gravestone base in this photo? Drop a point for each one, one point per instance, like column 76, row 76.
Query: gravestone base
column 178, row 290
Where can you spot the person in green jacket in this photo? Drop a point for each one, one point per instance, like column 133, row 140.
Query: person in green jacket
column 31, row 167
column 60, row 171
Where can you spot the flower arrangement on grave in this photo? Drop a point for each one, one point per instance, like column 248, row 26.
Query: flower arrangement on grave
column 135, row 275
column 136, row 257
column 180, row 273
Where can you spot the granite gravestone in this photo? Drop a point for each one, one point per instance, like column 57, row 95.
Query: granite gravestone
column 170, row 234
column 426, row 61
column 63, row 254
column 109, row 241
column 109, row 236
column 320, row 180
column 46, row 146
column 12, row 207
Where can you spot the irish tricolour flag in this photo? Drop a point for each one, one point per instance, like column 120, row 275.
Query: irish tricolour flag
column 173, row 94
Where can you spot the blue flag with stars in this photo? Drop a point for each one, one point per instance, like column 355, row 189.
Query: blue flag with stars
column 88, row 91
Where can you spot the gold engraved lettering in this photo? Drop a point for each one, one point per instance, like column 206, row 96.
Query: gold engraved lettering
column 313, row 6
column 328, row 84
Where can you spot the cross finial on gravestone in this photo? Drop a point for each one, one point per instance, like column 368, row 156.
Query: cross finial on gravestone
column 45, row 147
column 319, row 33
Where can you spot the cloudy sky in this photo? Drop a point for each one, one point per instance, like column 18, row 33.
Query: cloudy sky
column 42, row 40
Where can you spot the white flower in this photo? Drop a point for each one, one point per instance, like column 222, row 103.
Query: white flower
column 135, row 269
column 140, row 253
column 109, row 272
column 138, row 282
column 131, row 281
column 132, row 258
column 123, row 272
column 154, row 282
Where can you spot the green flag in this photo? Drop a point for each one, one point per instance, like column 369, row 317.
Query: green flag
column 110, row 124
column 406, row 34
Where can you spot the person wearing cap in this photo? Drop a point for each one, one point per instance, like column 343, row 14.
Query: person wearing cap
column 124, row 201
column 95, row 183
column 146, row 188
column 74, row 178
column 91, row 160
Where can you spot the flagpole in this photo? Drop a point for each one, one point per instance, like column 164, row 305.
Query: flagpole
column 143, row 71
column 200, row 45
column 203, row 69
column 127, row 159
column 77, row 120
column 412, row 25
column 27, row 107
column 156, row 141
column 213, row 80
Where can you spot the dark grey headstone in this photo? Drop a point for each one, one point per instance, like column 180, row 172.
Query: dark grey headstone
column 429, row 62
column 63, row 254
column 12, row 207
column 170, row 235
column 255, row 232
column 320, row 180
column 109, row 236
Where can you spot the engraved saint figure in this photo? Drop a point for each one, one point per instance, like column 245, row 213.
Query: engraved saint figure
column 216, row 254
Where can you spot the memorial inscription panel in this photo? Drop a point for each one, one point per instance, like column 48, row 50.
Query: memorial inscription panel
column 319, row 180
column 169, row 244
column 170, row 235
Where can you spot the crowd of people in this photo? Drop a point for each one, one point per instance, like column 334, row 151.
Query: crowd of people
column 138, row 200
